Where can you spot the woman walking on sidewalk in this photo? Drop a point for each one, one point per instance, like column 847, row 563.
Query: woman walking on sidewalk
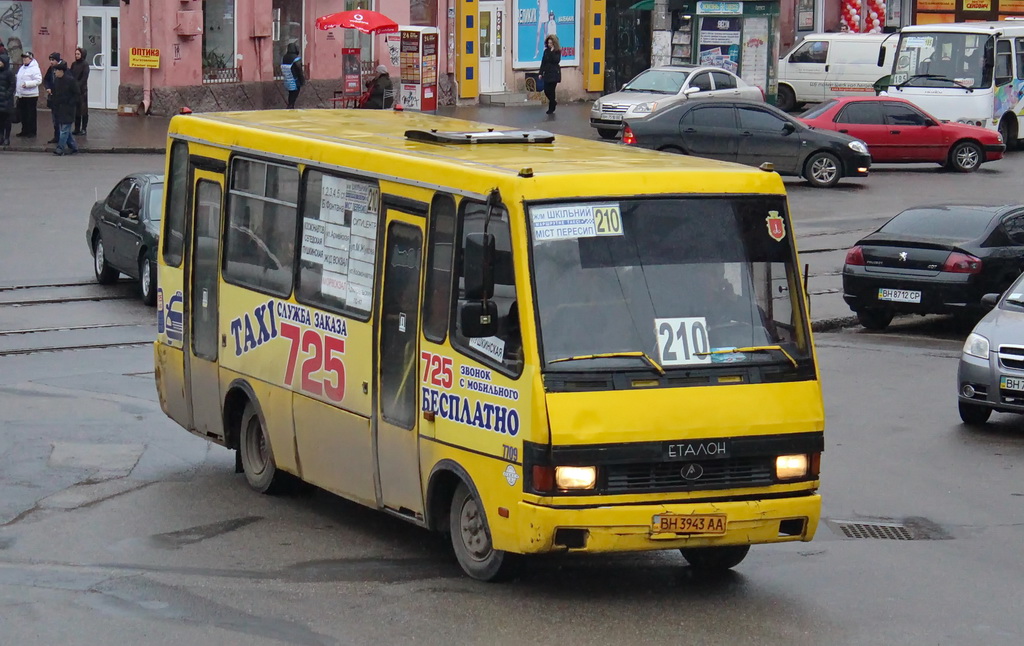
column 27, row 93
column 80, row 72
column 7, row 82
column 551, row 69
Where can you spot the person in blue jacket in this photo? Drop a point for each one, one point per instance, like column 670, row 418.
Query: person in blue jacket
column 291, row 70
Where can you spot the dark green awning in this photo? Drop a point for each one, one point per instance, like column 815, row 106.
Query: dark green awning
column 643, row 5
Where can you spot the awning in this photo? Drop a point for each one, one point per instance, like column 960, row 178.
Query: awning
column 643, row 5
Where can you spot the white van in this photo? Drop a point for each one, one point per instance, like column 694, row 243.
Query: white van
column 825, row 66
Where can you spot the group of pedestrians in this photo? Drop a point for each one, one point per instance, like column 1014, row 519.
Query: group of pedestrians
column 66, row 89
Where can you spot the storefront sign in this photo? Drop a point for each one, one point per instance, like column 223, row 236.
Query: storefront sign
column 352, row 70
column 936, row 5
column 977, row 5
column 720, row 8
column 142, row 57
column 535, row 20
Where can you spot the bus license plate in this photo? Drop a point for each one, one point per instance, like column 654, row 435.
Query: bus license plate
column 1011, row 383
column 899, row 295
column 689, row 524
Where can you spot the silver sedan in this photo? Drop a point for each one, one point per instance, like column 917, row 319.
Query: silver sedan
column 659, row 87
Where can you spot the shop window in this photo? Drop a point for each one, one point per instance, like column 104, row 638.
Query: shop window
column 1004, row 62
column 286, row 29
column 219, row 41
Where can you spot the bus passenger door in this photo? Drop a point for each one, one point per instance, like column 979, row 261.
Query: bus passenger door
column 397, row 432
column 201, row 303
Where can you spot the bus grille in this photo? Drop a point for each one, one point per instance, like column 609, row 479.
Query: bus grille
column 668, row 476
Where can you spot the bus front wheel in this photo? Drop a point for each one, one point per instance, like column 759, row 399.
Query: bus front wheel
column 471, row 538
column 714, row 559
column 257, row 456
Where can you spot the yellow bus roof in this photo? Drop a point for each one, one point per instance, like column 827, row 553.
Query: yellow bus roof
column 290, row 132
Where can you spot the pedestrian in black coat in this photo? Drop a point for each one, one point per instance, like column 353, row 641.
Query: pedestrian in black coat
column 7, row 84
column 65, row 102
column 48, row 81
column 80, row 72
column 551, row 69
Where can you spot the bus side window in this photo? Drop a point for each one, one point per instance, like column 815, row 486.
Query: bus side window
column 503, row 349
column 260, row 230
column 437, row 292
column 174, row 212
column 1004, row 62
column 1019, row 46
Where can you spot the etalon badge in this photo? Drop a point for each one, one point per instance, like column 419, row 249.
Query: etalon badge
column 511, row 477
column 776, row 226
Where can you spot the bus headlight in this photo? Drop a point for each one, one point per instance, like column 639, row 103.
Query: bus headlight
column 575, row 477
column 788, row 467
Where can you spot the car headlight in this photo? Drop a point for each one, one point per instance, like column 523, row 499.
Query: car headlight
column 644, row 108
column 858, row 146
column 976, row 346
column 597, row 107
column 575, row 477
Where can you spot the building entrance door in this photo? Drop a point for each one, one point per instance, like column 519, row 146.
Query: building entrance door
column 99, row 32
column 492, row 47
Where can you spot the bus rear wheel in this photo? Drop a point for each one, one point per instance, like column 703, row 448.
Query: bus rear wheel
column 714, row 559
column 257, row 457
column 471, row 538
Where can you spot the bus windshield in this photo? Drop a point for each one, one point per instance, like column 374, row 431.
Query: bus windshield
column 940, row 59
column 668, row 283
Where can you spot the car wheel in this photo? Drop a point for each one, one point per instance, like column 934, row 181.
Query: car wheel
column 873, row 319
column 147, row 281
column 965, row 157
column 823, row 170
column 608, row 133
column 1008, row 131
column 973, row 414
column 105, row 274
column 714, row 559
column 471, row 538
column 675, row 150
column 256, row 455
column 786, row 99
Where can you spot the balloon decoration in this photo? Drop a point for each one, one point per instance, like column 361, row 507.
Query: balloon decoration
column 862, row 16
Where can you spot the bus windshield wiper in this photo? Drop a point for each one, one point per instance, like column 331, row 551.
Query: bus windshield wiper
column 614, row 355
column 756, row 348
column 936, row 77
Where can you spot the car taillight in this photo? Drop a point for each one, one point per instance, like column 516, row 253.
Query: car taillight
column 962, row 263
column 627, row 136
column 855, row 256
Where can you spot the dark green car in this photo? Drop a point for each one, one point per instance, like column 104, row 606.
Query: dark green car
column 124, row 232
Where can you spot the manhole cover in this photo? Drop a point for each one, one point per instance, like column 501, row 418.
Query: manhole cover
column 912, row 529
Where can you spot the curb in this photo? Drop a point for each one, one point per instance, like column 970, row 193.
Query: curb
column 113, row 150
column 832, row 324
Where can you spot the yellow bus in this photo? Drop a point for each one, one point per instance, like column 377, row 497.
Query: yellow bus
column 531, row 343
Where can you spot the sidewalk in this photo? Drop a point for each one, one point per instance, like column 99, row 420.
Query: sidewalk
column 111, row 133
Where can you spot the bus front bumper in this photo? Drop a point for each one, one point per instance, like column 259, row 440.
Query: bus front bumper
column 628, row 528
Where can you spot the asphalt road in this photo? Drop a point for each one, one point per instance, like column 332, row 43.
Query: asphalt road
column 117, row 526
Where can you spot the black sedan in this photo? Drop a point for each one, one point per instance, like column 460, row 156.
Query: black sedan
column 123, row 232
column 752, row 133
column 934, row 260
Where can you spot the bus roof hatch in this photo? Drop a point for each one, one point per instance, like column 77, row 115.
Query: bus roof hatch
column 489, row 136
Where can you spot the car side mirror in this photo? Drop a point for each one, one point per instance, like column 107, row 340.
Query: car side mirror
column 478, row 319
column 881, row 56
column 990, row 300
column 928, row 123
column 788, row 128
column 691, row 90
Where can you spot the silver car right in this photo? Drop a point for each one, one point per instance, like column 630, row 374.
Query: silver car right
column 991, row 373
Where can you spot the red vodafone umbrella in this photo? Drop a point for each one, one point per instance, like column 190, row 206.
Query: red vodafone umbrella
column 366, row 21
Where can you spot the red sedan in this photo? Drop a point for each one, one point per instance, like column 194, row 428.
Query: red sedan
column 897, row 131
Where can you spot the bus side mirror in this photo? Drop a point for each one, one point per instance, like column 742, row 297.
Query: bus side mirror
column 478, row 319
column 478, row 266
column 881, row 56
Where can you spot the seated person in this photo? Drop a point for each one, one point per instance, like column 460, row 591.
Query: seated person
column 376, row 89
